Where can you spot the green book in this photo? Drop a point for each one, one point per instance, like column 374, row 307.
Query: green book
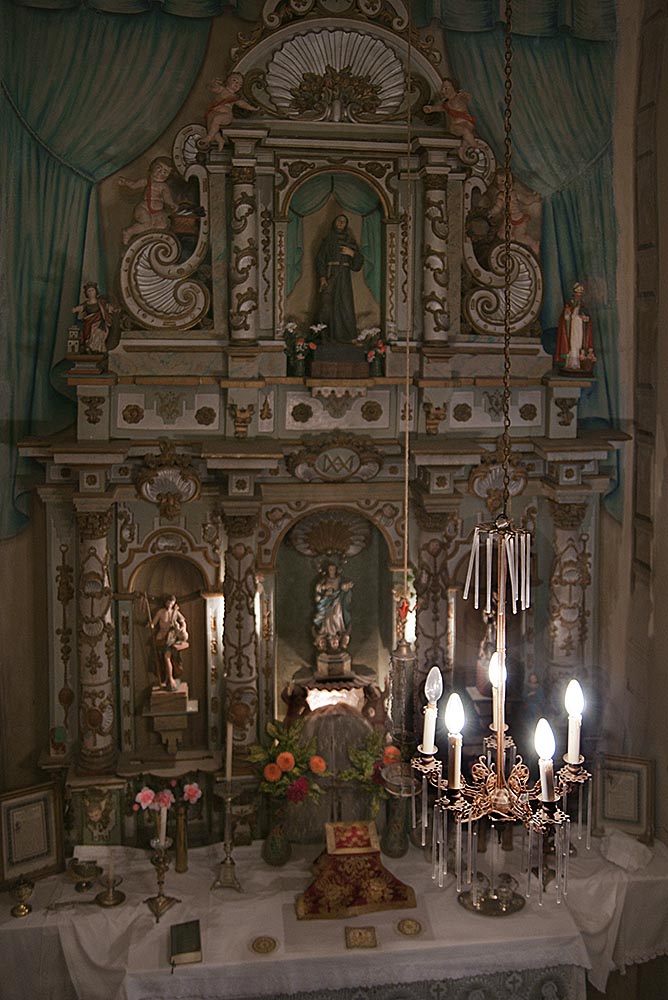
column 185, row 943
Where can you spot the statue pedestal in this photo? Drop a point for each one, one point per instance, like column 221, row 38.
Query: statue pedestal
column 169, row 711
column 333, row 665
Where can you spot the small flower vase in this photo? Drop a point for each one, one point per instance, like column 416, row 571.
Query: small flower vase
column 181, row 848
column 276, row 848
column 298, row 367
column 376, row 368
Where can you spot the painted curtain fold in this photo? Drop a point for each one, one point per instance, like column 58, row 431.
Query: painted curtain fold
column 78, row 100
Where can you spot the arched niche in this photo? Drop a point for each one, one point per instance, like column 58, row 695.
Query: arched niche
column 371, row 604
column 313, row 205
column 155, row 577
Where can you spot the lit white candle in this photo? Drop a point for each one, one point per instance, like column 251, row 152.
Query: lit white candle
column 162, row 833
column 574, row 701
column 495, row 681
column 228, row 752
column 433, row 690
column 454, row 723
column 545, row 746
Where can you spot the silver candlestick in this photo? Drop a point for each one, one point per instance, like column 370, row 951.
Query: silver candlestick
column 227, row 878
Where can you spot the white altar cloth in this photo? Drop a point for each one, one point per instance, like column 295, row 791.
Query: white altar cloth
column 122, row 954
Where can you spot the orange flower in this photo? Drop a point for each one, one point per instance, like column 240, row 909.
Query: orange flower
column 317, row 764
column 272, row 772
column 285, row 761
column 391, row 754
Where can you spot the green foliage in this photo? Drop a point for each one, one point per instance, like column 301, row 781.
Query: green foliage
column 295, row 782
column 367, row 763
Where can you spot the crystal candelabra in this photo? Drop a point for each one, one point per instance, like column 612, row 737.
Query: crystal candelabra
column 500, row 789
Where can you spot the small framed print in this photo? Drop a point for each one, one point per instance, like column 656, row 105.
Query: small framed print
column 31, row 841
column 624, row 796
column 361, row 937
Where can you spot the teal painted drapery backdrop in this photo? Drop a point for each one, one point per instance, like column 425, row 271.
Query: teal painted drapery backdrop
column 562, row 147
column 353, row 195
column 79, row 99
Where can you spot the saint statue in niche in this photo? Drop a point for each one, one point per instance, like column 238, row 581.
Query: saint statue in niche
column 331, row 622
column 337, row 256
column 574, row 353
column 170, row 636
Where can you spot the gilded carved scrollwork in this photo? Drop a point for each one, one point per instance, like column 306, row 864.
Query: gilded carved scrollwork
column 64, row 594
column 570, row 580
column 160, row 290
column 96, row 641
column 240, row 647
column 336, row 457
column 484, row 303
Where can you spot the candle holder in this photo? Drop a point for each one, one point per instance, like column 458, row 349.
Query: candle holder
column 110, row 896
column 21, row 891
column 160, row 860
column 87, row 872
column 227, row 878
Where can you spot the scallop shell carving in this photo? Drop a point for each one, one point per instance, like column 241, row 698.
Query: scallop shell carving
column 336, row 76
column 487, row 483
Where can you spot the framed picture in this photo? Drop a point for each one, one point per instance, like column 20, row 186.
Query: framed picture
column 624, row 796
column 31, row 840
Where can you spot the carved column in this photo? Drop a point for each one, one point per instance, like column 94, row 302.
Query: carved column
column 97, row 708
column 244, row 257
column 61, row 565
column 570, row 597
column 435, row 631
column 435, row 260
column 240, row 645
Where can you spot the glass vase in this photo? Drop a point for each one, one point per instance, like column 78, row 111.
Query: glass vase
column 276, row 848
column 394, row 841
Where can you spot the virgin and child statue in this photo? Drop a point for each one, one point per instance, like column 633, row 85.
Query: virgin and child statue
column 331, row 622
column 338, row 255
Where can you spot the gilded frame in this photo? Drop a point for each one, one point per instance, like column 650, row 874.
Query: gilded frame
column 31, row 833
column 624, row 796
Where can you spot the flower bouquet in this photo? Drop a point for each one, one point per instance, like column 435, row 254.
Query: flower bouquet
column 288, row 770
column 374, row 347
column 299, row 349
column 179, row 793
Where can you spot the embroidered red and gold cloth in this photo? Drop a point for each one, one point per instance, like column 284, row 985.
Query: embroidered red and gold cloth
column 350, row 878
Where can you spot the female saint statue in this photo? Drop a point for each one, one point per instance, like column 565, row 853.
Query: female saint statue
column 331, row 622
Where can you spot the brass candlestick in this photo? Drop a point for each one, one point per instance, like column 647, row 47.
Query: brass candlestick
column 110, row 896
column 227, row 878
column 21, row 891
column 160, row 861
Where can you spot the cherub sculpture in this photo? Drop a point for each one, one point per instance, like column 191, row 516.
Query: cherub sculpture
column 152, row 211
column 526, row 208
column 219, row 114
column 454, row 104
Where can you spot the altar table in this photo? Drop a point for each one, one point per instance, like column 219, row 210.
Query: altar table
column 540, row 953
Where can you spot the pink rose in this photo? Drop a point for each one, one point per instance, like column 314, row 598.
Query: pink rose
column 164, row 799
column 145, row 797
column 191, row 793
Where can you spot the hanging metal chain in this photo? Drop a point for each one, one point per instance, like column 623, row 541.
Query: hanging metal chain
column 507, row 272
